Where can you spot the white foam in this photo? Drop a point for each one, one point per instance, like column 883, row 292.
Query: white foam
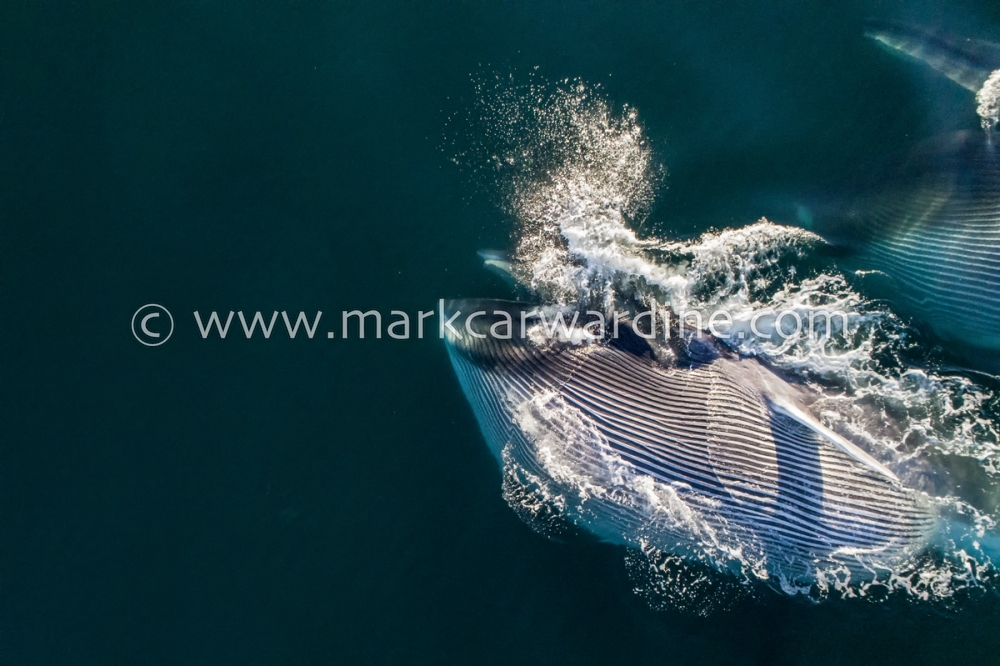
column 988, row 99
column 579, row 176
column 593, row 483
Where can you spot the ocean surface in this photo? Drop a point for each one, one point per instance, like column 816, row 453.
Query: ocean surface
column 325, row 500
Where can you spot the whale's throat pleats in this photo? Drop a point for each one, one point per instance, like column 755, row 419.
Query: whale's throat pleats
column 688, row 454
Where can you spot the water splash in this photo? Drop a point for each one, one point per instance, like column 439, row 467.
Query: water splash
column 988, row 99
column 579, row 177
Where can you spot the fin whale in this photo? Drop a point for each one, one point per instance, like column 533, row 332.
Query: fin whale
column 932, row 226
column 680, row 445
column 933, row 229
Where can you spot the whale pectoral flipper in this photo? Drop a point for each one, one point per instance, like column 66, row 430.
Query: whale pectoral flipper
column 787, row 409
column 501, row 265
column 967, row 63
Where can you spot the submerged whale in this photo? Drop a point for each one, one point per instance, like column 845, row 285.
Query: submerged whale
column 931, row 231
column 678, row 445
column 932, row 234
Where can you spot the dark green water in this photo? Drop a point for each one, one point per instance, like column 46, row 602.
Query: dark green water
column 332, row 501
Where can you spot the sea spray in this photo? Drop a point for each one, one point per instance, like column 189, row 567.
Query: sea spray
column 579, row 177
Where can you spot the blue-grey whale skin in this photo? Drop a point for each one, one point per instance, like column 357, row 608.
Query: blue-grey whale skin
column 682, row 446
column 933, row 230
column 929, row 230
column 967, row 62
